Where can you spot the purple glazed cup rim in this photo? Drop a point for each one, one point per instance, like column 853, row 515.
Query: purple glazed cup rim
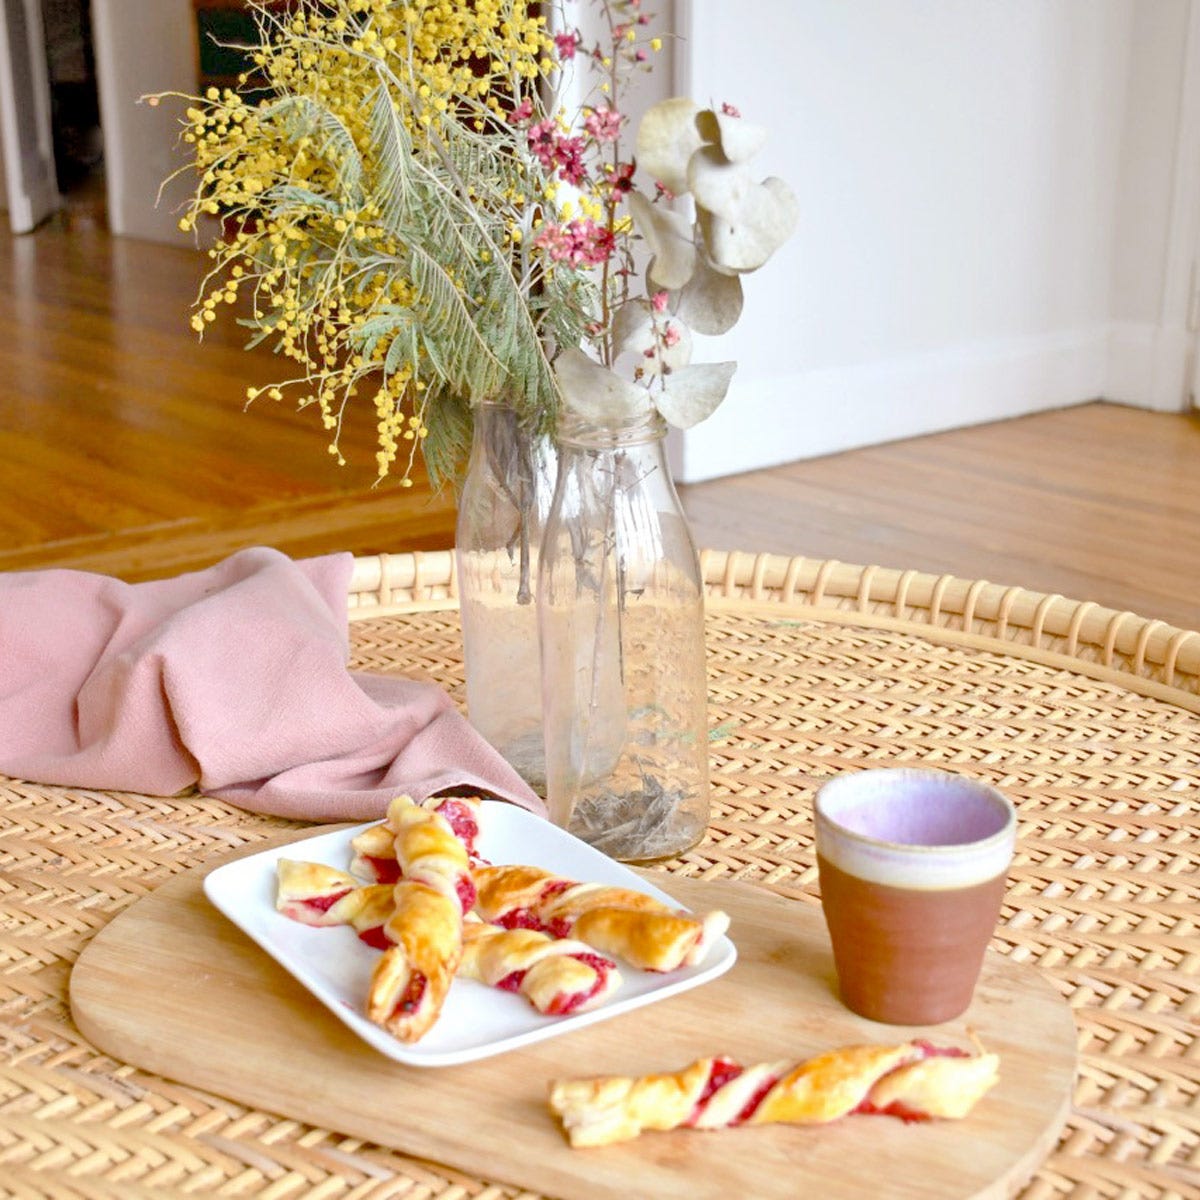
column 915, row 828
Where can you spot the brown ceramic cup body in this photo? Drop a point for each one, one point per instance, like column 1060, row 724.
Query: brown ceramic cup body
column 913, row 865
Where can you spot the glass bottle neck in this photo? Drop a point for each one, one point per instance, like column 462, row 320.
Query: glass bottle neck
column 577, row 432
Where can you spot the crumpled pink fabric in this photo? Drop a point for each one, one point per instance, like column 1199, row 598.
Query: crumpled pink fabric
column 233, row 678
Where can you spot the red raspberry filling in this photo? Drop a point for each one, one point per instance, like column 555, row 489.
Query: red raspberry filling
column 410, row 998
column 723, row 1071
column 929, row 1050
column 376, row 938
column 462, row 822
column 465, row 890
column 896, row 1109
column 519, row 918
column 751, row 1106
column 323, row 904
column 385, row 870
column 530, row 918
column 570, row 1002
column 512, row 982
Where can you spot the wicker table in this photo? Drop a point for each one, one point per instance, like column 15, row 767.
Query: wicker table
column 1088, row 719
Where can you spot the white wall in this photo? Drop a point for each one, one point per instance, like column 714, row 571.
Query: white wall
column 986, row 194
column 1157, row 210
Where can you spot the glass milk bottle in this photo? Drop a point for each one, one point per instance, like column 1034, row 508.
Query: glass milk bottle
column 621, row 614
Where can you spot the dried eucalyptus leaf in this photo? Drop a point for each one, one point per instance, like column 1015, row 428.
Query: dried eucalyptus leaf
column 631, row 328
column 594, row 392
column 739, row 140
column 749, row 220
column 670, row 238
column 693, row 393
column 666, row 138
column 711, row 303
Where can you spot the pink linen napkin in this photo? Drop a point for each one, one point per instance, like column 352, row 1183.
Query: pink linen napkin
column 233, row 678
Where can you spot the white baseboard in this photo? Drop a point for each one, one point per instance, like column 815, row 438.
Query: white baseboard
column 765, row 422
column 1149, row 365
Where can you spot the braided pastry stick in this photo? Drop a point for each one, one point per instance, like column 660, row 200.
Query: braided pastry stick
column 413, row 975
column 558, row 976
column 629, row 924
column 914, row 1081
column 374, row 849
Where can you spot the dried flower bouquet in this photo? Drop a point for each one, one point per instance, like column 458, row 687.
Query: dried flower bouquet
column 409, row 215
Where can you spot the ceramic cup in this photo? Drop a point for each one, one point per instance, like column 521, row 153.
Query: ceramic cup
column 913, row 866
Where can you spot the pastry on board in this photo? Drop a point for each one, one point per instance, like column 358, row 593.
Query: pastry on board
column 915, row 1081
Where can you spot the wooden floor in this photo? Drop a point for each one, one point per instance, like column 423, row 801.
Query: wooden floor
column 126, row 450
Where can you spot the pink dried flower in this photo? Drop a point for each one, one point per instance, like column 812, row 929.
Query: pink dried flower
column 566, row 44
column 568, row 158
column 604, row 124
column 558, row 153
column 729, row 110
column 670, row 335
column 543, row 137
column 522, row 112
column 659, row 300
column 580, row 243
column 620, row 176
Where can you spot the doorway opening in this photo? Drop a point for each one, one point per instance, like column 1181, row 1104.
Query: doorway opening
column 75, row 110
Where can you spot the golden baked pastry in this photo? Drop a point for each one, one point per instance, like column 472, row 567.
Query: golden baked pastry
column 558, row 976
column 374, row 849
column 428, row 851
column 413, row 975
column 313, row 893
column 374, row 855
column 915, row 1081
column 629, row 924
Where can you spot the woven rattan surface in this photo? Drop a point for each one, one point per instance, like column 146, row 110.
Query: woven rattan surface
column 1087, row 719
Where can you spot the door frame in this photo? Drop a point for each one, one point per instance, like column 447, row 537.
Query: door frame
column 26, row 122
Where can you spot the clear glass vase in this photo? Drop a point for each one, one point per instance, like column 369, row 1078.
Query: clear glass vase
column 502, row 509
column 621, row 613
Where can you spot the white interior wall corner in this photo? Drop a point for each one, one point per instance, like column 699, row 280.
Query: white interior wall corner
column 956, row 260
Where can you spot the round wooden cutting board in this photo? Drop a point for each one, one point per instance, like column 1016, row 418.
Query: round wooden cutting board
column 172, row 987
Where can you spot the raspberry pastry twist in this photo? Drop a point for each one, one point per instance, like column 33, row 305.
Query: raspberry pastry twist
column 413, row 975
column 374, row 849
column 915, row 1081
column 558, row 976
column 629, row 924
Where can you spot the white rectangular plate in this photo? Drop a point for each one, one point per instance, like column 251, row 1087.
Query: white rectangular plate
column 476, row 1021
